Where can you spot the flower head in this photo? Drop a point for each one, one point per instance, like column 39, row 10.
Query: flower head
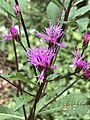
column 79, row 62
column 86, row 74
column 16, row 9
column 52, row 34
column 86, row 37
column 14, row 34
column 40, row 58
column 13, row 31
column 86, row 40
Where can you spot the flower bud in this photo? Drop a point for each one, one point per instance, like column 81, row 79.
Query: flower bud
column 86, row 40
column 86, row 37
column 16, row 9
column 86, row 74
column 15, row 34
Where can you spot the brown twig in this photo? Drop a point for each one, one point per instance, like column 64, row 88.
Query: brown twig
column 19, row 84
column 61, row 77
column 23, row 46
column 37, row 97
column 16, row 86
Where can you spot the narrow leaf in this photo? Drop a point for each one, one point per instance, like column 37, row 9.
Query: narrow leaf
column 82, row 10
column 17, row 76
column 4, row 116
column 40, row 104
column 53, row 12
column 21, row 100
column 5, row 6
column 82, row 23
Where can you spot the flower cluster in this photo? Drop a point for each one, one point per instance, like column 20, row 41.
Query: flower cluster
column 41, row 57
column 79, row 62
column 52, row 34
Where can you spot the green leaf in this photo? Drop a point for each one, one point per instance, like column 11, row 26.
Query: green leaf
column 53, row 12
column 22, row 4
column 73, row 99
column 77, row 35
column 58, row 3
column 82, row 11
column 40, row 104
column 17, row 76
column 55, row 92
column 72, row 12
column 4, row 116
column 52, row 76
column 21, row 100
column 82, row 23
column 6, row 113
column 72, row 102
column 49, row 111
column 77, row 110
column 5, row 6
column 4, row 109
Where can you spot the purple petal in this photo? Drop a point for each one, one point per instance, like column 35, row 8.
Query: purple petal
column 6, row 37
column 62, row 45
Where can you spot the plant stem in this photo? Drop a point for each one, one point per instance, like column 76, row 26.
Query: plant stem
column 19, row 85
column 16, row 86
column 52, row 100
column 60, row 77
column 24, row 27
column 16, row 58
column 67, row 14
column 26, row 34
column 23, row 46
column 37, row 97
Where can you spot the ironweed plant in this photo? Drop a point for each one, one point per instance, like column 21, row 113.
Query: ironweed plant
column 38, row 102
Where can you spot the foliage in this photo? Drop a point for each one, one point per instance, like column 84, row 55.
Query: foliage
column 75, row 102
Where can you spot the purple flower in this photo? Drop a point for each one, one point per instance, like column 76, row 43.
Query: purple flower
column 86, row 37
column 52, row 34
column 79, row 62
column 86, row 40
column 16, row 9
column 14, row 33
column 41, row 58
column 87, row 73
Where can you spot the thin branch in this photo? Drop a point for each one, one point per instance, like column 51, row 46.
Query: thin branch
column 61, row 3
column 61, row 77
column 52, row 100
column 24, row 27
column 63, row 27
column 23, row 46
column 37, row 97
column 16, row 58
column 19, row 84
column 67, row 14
column 79, row 76
column 16, row 86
